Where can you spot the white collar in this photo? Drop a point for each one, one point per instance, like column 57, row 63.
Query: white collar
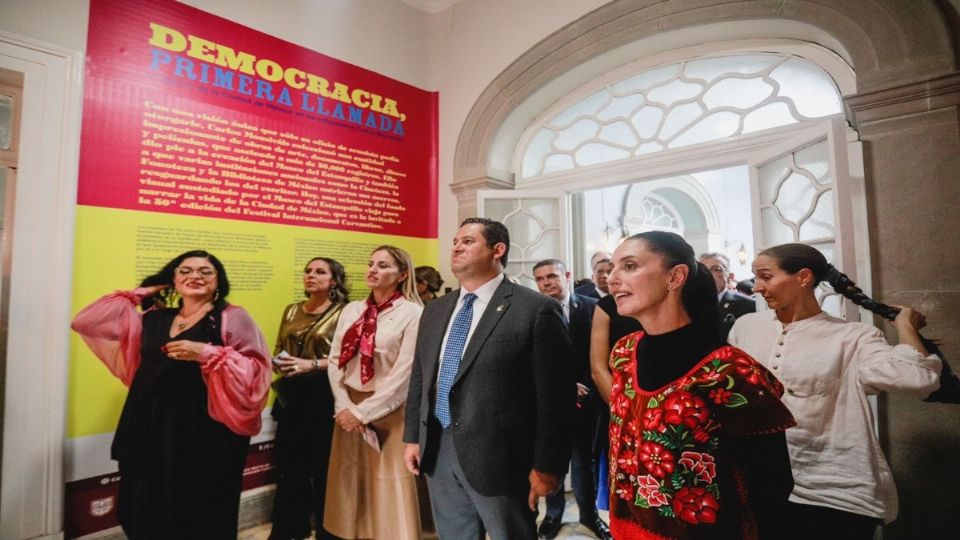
column 485, row 291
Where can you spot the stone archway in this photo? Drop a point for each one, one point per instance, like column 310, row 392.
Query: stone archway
column 890, row 44
column 905, row 108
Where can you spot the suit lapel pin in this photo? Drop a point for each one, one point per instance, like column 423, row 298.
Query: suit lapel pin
column 500, row 307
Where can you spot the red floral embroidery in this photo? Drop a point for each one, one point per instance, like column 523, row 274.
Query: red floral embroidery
column 649, row 488
column 749, row 369
column 701, row 434
column 663, row 445
column 656, row 459
column 627, row 462
column 700, row 464
column 695, row 505
column 625, row 491
column 653, row 420
column 709, row 376
column 617, row 386
column 685, row 408
column 619, row 405
column 720, row 396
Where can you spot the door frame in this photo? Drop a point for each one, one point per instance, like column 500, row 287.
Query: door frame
column 31, row 495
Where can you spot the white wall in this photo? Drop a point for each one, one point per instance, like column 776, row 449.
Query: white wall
column 458, row 51
column 385, row 36
column 470, row 44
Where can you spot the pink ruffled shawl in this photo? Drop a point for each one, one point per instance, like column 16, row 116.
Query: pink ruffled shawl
column 237, row 374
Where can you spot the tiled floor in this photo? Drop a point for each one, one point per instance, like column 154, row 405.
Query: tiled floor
column 572, row 530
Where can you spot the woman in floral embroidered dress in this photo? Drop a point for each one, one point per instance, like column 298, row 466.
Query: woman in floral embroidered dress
column 697, row 449
column 198, row 376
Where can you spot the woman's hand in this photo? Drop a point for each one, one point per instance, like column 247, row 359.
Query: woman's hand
column 184, row 350
column 291, row 366
column 908, row 321
column 348, row 422
column 909, row 318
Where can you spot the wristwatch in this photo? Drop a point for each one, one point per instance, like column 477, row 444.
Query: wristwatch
column 316, row 365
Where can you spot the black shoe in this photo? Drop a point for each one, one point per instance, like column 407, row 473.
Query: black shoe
column 598, row 528
column 550, row 528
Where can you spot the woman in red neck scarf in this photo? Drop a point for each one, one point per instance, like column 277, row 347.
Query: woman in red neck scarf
column 370, row 494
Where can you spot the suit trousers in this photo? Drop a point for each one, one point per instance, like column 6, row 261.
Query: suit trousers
column 459, row 512
column 583, row 477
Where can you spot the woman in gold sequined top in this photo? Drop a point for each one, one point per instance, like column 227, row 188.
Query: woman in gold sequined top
column 304, row 405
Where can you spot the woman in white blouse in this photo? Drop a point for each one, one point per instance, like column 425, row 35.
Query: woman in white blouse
column 842, row 483
column 370, row 493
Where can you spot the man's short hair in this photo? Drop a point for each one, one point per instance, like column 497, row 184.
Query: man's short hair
column 599, row 257
column 716, row 255
column 562, row 268
column 494, row 233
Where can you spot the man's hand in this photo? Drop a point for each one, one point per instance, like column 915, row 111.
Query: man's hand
column 411, row 458
column 541, row 485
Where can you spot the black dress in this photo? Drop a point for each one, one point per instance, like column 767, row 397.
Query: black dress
column 181, row 471
column 304, row 414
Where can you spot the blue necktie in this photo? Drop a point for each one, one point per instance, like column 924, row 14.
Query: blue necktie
column 456, row 341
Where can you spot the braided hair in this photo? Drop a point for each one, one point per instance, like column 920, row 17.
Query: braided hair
column 792, row 258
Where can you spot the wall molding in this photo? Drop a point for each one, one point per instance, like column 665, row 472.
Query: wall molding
column 905, row 100
column 31, row 496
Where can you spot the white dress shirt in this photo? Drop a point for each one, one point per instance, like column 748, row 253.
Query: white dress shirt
column 828, row 367
column 394, row 345
column 484, row 294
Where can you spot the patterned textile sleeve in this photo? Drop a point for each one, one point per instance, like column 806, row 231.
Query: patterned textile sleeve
column 750, row 396
column 111, row 327
column 237, row 374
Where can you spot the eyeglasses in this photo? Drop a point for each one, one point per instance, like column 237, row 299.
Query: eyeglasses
column 717, row 269
column 204, row 271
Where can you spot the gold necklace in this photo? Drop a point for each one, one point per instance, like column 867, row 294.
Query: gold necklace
column 187, row 320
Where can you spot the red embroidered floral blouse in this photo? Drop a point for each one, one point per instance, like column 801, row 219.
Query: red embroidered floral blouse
column 665, row 445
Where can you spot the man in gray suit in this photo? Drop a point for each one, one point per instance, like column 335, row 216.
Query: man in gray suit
column 490, row 411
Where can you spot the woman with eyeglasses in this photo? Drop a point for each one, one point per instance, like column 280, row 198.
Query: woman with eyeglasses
column 198, row 372
column 370, row 493
column 304, row 405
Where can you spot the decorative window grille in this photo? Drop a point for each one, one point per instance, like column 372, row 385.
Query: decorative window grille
column 681, row 104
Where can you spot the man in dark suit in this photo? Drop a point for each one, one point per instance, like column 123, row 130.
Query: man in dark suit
column 489, row 415
column 601, row 266
column 553, row 280
column 732, row 304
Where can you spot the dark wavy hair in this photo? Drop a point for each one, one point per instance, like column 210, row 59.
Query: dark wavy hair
column 699, row 292
column 339, row 293
column 494, row 233
column 165, row 276
column 429, row 276
column 791, row 258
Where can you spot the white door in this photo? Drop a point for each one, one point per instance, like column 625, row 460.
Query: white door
column 538, row 225
column 801, row 192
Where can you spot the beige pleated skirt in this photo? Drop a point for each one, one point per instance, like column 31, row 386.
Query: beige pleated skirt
column 370, row 494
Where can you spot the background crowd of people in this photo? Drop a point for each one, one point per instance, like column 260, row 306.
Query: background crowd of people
column 672, row 401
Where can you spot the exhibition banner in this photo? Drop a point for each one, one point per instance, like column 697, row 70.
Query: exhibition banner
column 199, row 133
